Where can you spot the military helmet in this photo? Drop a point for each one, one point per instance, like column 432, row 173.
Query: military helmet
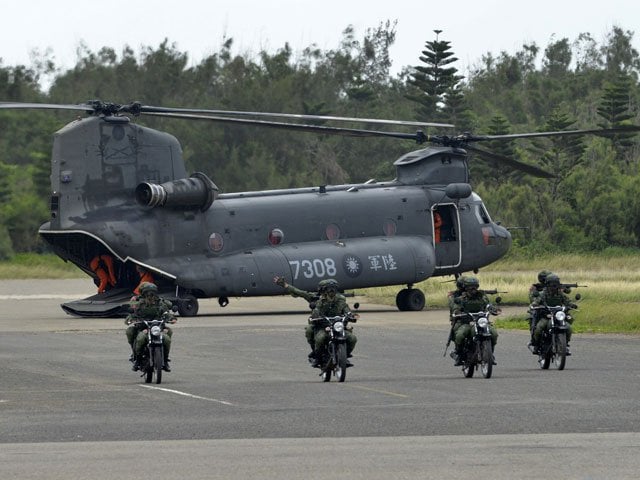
column 460, row 282
column 471, row 282
column 542, row 276
column 553, row 280
column 330, row 285
column 148, row 287
column 322, row 284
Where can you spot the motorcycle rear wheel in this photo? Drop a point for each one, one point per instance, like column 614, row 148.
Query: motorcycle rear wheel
column 560, row 354
column 486, row 354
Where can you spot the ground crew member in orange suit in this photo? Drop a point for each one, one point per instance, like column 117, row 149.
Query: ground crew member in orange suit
column 437, row 224
column 145, row 276
column 102, row 265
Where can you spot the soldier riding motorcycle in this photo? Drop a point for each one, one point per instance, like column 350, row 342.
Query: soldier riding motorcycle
column 474, row 335
column 148, row 329
column 553, row 330
column 331, row 357
column 327, row 302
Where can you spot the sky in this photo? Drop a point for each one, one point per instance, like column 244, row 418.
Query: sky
column 199, row 27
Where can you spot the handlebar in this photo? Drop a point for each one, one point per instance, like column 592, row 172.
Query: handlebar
column 350, row 317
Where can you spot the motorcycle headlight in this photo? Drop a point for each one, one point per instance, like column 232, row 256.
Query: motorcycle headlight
column 561, row 316
column 156, row 330
column 483, row 322
column 338, row 327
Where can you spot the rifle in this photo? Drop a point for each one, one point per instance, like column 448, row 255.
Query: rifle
column 571, row 285
column 446, row 347
column 492, row 292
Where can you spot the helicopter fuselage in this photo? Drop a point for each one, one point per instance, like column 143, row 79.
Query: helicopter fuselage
column 122, row 189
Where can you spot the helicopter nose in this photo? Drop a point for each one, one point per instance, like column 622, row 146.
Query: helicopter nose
column 503, row 239
column 497, row 239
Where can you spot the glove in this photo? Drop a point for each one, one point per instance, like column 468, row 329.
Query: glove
column 280, row 281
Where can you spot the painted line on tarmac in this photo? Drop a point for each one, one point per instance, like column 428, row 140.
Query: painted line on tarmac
column 43, row 296
column 185, row 394
column 386, row 392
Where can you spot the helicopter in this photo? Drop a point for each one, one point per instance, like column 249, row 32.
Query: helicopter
column 121, row 190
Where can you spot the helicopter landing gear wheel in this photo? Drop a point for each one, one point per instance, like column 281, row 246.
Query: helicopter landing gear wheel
column 223, row 301
column 410, row 299
column 188, row 306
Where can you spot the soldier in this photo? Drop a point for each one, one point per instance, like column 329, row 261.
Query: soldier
column 329, row 303
column 472, row 300
column 534, row 292
column 147, row 306
column 552, row 295
column 454, row 294
column 537, row 287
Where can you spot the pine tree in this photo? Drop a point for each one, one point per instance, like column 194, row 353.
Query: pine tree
column 437, row 83
column 560, row 155
column 615, row 110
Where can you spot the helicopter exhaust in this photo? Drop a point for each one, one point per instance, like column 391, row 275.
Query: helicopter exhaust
column 197, row 191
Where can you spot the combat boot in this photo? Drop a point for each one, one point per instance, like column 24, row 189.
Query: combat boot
column 457, row 357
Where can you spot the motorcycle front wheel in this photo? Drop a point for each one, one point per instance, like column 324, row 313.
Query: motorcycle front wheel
column 560, row 354
column 158, row 360
column 544, row 359
column 486, row 355
column 341, row 367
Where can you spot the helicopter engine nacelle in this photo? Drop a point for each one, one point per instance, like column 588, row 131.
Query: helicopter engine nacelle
column 458, row 190
column 197, row 191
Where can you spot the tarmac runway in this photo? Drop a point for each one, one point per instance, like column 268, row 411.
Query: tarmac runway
column 242, row 402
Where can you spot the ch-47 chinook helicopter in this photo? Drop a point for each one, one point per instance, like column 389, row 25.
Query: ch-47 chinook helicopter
column 121, row 189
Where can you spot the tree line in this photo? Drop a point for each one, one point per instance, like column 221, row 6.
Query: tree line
column 592, row 203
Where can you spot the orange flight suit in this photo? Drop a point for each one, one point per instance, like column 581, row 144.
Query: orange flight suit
column 102, row 265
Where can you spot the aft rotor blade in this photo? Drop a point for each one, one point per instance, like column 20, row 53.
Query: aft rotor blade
column 418, row 137
column 524, row 167
column 150, row 109
column 44, row 106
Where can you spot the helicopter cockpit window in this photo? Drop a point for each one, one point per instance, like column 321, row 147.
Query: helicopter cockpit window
column 389, row 227
column 481, row 213
column 332, row 231
column 216, row 242
column 276, row 236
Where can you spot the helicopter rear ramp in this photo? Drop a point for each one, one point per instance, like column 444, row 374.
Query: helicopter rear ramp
column 113, row 303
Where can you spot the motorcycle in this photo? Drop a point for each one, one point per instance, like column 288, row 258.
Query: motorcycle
column 333, row 358
column 152, row 360
column 477, row 352
column 553, row 342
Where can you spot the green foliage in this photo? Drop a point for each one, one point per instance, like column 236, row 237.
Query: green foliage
column 31, row 265
column 593, row 204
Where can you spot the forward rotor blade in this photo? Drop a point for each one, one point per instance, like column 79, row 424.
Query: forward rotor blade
column 152, row 109
column 418, row 137
column 562, row 133
column 524, row 167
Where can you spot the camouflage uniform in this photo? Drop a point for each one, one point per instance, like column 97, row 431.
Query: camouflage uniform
column 147, row 308
column 471, row 301
column 534, row 293
column 326, row 306
column 454, row 294
column 551, row 295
